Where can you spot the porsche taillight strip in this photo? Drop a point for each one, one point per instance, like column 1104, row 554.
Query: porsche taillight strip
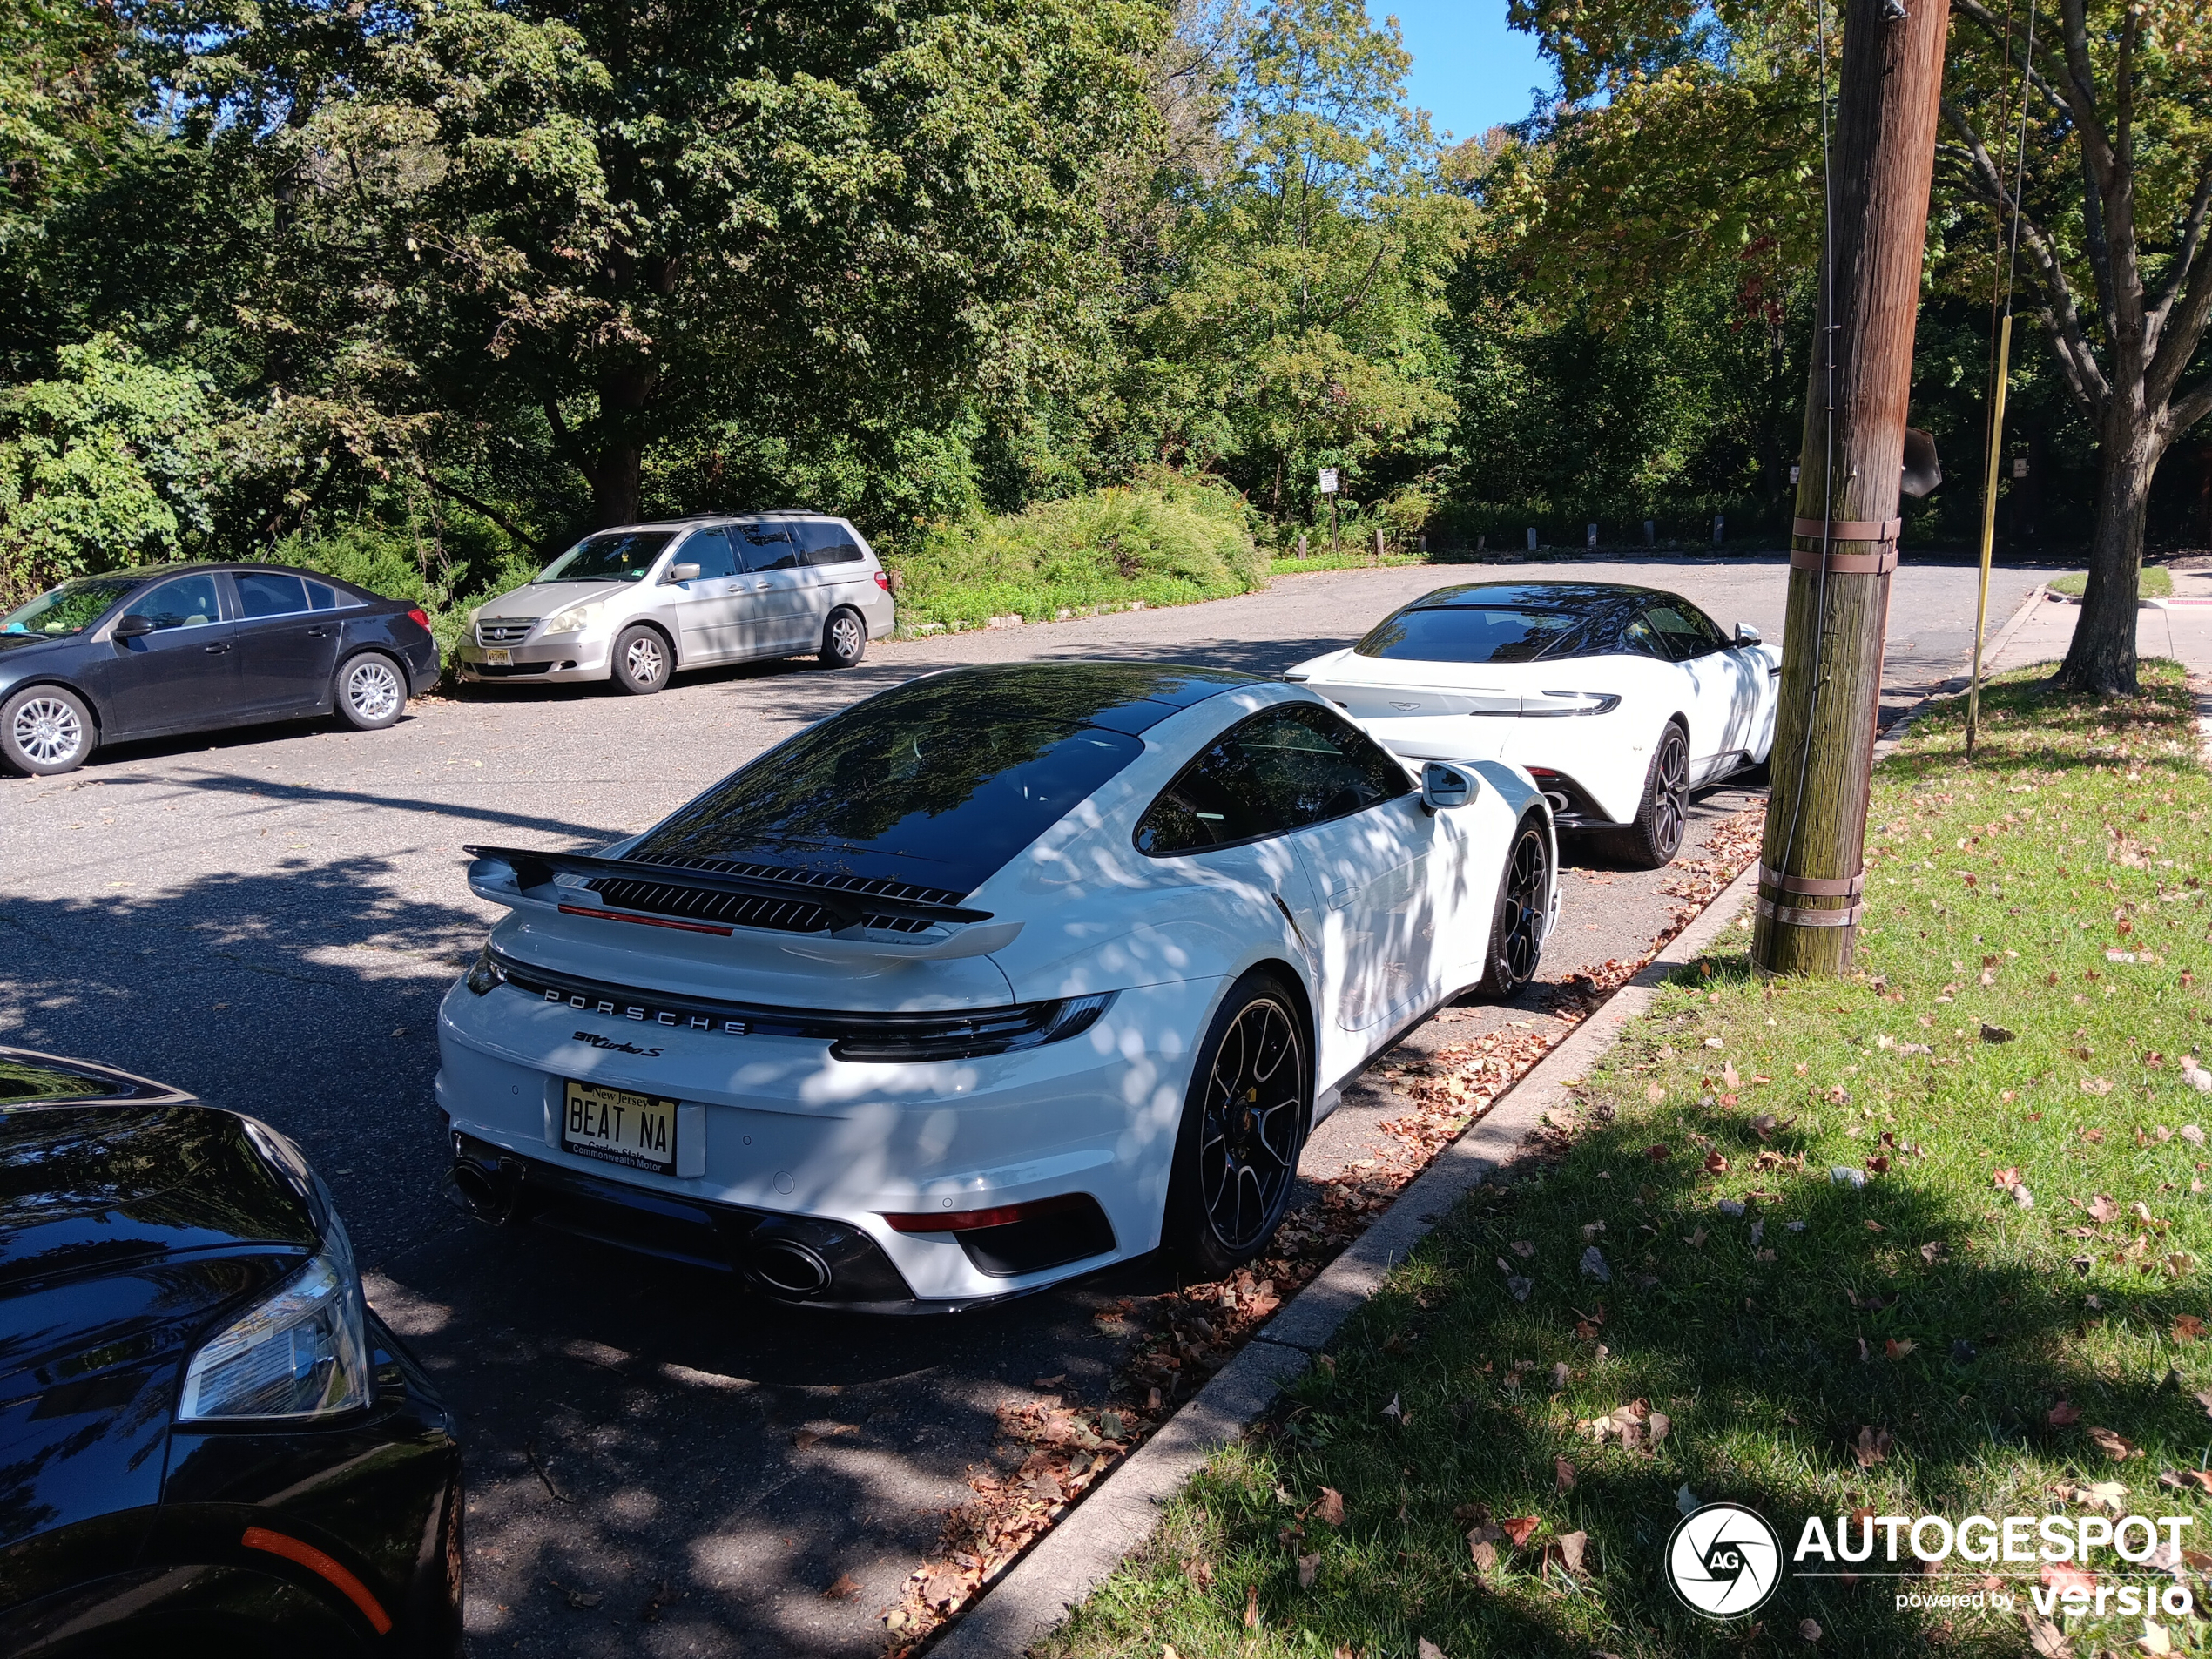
column 646, row 921
column 307, row 1555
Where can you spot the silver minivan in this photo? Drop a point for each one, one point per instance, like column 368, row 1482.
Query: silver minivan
column 636, row 603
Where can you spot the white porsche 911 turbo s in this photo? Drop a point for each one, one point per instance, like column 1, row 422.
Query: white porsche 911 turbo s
column 1618, row 700
column 991, row 979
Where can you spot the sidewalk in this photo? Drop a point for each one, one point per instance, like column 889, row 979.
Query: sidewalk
column 2181, row 628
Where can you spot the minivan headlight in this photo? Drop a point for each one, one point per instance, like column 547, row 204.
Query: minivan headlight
column 301, row 1353
column 576, row 618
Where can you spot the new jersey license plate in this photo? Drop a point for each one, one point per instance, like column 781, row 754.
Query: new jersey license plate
column 619, row 1127
column 498, row 658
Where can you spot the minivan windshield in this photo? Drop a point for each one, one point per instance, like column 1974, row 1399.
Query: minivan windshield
column 617, row 556
column 69, row 608
column 1476, row 634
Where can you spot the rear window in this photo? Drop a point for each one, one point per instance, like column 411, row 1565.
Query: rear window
column 1478, row 634
column 622, row 555
column 936, row 785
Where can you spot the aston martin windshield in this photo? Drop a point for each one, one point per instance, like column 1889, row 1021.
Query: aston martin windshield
column 622, row 555
column 1477, row 634
column 939, row 782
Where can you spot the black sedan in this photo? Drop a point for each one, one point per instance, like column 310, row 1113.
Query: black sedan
column 182, row 647
column 208, row 1443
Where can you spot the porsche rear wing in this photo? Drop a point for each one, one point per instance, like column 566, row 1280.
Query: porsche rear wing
column 841, row 908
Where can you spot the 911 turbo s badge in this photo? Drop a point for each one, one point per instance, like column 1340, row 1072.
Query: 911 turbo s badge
column 614, row 1047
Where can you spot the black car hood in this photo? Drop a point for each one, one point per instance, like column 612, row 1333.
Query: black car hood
column 32, row 642
column 123, row 1228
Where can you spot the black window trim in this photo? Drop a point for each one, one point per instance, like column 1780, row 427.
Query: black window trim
column 236, row 599
column 1412, row 788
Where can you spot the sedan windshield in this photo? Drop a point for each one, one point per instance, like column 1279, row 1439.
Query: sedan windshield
column 619, row 556
column 1477, row 634
column 69, row 608
column 934, row 786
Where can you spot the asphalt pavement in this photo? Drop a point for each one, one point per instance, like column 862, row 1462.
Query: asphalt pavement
column 659, row 1466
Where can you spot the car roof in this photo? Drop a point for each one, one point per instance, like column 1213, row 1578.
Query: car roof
column 1557, row 596
column 185, row 567
column 1126, row 697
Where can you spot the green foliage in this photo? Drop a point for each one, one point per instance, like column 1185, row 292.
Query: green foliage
column 112, row 462
column 1165, row 540
column 449, row 572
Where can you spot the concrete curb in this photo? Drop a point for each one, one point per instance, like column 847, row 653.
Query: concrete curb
column 1072, row 1559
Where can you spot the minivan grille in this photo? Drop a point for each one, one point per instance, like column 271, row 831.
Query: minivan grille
column 796, row 914
column 504, row 630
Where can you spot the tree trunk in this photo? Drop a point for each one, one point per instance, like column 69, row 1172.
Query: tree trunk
column 2102, row 659
column 616, row 467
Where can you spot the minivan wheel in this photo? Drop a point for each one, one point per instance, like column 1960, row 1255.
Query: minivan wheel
column 371, row 692
column 641, row 660
column 845, row 640
column 44, row 730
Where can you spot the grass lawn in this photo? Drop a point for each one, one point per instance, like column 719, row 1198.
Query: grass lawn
column 2155, row 582
column 1353, row 558
column 2001, row 1320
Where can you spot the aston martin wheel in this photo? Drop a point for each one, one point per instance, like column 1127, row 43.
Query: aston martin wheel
column 845, row 638
column 1523, row 913
column 641, row 660
column 1654, row 836
column 371, row 692
column 1243, row 1123
column 45, row 729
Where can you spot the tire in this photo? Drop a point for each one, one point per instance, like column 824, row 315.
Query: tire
column 370, row 692
column 45, row 731
column 845, row 638
column 641, row 660
column 1521, row 914
column 1655, row 836
column 1244, row 1125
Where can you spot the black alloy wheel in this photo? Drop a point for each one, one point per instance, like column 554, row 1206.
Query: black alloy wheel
column 1655, row 835
column 1523, row 913
column 1235, row 1158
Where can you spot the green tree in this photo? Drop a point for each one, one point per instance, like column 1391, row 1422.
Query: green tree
column 1297, row 321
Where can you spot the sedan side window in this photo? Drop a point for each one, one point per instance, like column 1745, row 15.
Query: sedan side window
column 1277, row 771
column 264, row 593
column 189, row 601
column 767, row 547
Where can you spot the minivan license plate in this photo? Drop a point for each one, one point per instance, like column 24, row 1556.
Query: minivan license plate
column 618, row 1127
column 500, row 659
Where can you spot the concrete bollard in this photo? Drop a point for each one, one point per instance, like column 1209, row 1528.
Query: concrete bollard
column 1532, row 538
column 1378, row 546
column 1720, row 528
column 1650, row 532
column 1590, row 535
column 1301, row 544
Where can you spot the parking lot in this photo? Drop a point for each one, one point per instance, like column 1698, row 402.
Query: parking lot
column 268, row 918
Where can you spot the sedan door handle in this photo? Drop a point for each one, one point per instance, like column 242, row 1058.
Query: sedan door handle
column 318, row 633
column 214, row 651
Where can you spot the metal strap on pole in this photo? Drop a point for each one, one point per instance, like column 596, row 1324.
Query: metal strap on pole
column 1879, row 563
column 1798, row 917
column 1849, row 530
column 1815, row 886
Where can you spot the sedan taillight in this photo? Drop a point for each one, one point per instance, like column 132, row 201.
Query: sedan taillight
column 420, row 617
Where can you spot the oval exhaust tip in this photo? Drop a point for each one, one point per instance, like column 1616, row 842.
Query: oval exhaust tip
column 479, row 1193
column 790, row 1268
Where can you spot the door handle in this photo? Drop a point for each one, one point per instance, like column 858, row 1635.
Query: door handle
column 318, row 633
column 214, row 651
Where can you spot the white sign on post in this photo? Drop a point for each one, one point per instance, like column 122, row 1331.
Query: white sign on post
column 2019, row 466
column 1328, row 480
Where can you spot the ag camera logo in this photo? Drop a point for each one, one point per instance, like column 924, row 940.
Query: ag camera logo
column 1723, row 1560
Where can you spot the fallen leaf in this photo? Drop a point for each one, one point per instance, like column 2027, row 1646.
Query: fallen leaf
column 2064, row 1415
column 1572, row 1546
column 2112, row 1445
column 1427, row 1650
column 1330, row 1508
column 2201, row 1478
column 1521, row 1248
column 1729, row 1076
column 1519, row 1528
column 1563, row 1475
column 2188, row 1327
column 1654, row 1094
column 2103, row 1209
column 2045, row 1639
column 1897, row 1349
column 2153, row 1638
column 1251, row 1607
column 1482, row 1546
column 1873, row 1447
column 1593, row 1266
column 1809, row 1630
column 2004, row 1180
column 2065, row 1575
column 1657, row 1154
column 1307, row 1567
column 844, row 1589
column 1715, row 1163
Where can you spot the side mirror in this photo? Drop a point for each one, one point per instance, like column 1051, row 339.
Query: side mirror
column 1444, row 786
column 1746, row 634
column 134, row 626
column 683, row 573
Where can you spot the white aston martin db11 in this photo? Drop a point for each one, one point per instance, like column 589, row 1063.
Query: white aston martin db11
column 991, row 979
column 1618, row 700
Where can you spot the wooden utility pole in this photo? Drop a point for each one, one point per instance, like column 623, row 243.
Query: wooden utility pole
column 1844, row 545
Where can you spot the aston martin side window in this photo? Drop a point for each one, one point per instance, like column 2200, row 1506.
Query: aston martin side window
column 1686, row 631
column 1277, row 771
column 1639, row 638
